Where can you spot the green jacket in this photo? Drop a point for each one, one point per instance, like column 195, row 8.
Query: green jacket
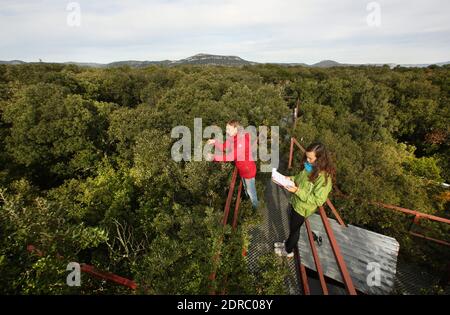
column 309, row 196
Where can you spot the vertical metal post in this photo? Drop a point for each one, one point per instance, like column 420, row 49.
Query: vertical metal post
column 337, row 253
column 323, row 283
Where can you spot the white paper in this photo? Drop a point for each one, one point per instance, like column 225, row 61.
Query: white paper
column 281, row 179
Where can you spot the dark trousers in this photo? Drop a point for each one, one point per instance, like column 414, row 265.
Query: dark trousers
column 295, row 223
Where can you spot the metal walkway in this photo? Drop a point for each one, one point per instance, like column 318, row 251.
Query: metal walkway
column 274, row 228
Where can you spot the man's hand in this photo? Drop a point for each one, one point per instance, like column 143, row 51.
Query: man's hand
column 209, row 157
column 211, row 141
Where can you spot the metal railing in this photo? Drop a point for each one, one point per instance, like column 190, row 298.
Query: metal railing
column 417, row 216
column 226, row 212
column 91, row 270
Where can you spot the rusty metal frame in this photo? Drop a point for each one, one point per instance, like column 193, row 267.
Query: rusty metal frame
column 337, row 253
column 302, row 272
column 89, row 269
column 417, row 217
column 226, row 212
column 323, row 283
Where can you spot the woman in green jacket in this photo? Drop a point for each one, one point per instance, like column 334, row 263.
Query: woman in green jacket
column 312, row 186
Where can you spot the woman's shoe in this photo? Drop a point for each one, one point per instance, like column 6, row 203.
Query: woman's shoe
column 278, row 244
column 281, row 251
column 318, row 239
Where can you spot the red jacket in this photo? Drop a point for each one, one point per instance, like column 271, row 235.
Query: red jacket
column 237, row 149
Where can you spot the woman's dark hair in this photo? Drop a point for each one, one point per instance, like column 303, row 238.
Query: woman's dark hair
column 323, row 162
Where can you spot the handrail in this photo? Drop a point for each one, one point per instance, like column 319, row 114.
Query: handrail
column 335, row 213
column 429, row 238
column 108, row 276
column 236, row 208
column 323, row 283
column 417, row 216
column 229, row 197
column 337, row 253
column 89, row 269
column 303, row 275
column 226, row 212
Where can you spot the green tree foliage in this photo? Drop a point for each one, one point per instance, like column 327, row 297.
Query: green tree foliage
column 86, row 173
column 28, row 219
column 53, row 134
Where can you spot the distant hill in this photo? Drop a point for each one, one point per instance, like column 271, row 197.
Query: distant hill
column 332, row 63
column 292, row 64
column 12, row 62
column 205, row 59
column 199, row 59
column 423, row 65
column 137, row 64
column 86, row 64
column 233, row 61
column 328, row 64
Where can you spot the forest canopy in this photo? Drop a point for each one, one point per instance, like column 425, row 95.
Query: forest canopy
column 86, row 173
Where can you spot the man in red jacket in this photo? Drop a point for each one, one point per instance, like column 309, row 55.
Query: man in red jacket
column 237, row 148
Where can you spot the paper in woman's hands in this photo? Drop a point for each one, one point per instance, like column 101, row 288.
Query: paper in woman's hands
column 281, row 180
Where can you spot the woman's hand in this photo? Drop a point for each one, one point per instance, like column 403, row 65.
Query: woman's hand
column 292, row 189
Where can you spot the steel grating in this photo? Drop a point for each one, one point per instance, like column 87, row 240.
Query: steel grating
column 414, row 280
column 274, row 228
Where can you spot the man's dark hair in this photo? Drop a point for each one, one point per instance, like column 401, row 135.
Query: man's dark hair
column 234, row 123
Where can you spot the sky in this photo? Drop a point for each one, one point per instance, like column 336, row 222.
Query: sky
column 294, row 31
